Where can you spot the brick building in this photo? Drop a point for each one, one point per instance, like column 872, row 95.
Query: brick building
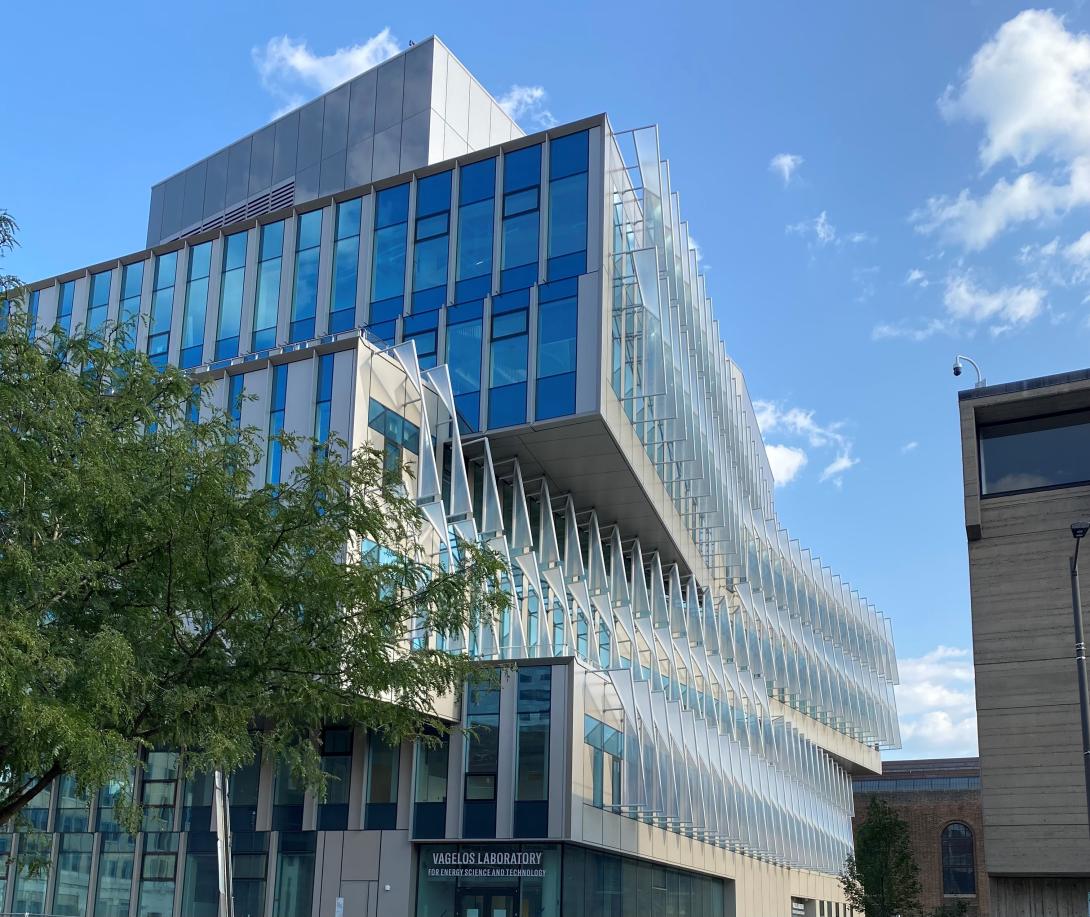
column 940, row 800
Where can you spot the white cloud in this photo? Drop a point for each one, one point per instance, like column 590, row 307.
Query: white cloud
column 910, row 446
column 526, row 105
column 799, row 422
column 916, row 277
column 822, row 230
column 786, row 462
column 1004, row 308
column 786, row 164
column 909, row 332
column 936, row 704
column 974, row 222
column 291, row 72
column 1029, row 86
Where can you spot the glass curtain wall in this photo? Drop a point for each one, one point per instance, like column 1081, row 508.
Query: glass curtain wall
column 98, row 301
column 267, row 301
column 383, row 764
column 304, row 301
column 521, row 218
column 532, row 751
column 162, row 309
column 431, row 242
column 196, row 305
column 66, row 300
column 337, row 766
column 132, row 280
column 509, row 354
column 232, row 283
column 476, row 218
column 388, row 264
column 346, row 255
column 430, row 793
column 482, row 759
column 114, row 883
column 567, row 243
column 557, row 324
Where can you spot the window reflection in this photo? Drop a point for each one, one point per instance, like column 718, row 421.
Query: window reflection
column 346, row 253
column 231, row 289
column 1050, row 451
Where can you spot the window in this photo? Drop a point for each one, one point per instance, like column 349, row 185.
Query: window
column 274, row 452
column 397, row 432
column 158, row 788
column 423, row 328
column 430, row 793
column 557, row 322
column 162, row 309
column 197, row 799
column 32, row 323
column 346, row 256
column 294, row 874
column 231, row 289
column 532, row 751
column 157, row 870
column 200, row 885
column 323, row 399
column 115, row 858
column 243, row 785
column 604, row 758
column 337, row 766
column 98, row 302
column 507, row 370
column 73, row 807
column 73, row 875
column 1039, row 452
column 132, row 280
column 432, row 242
column 288, row 796
column 567, row 248
column 383, row 763
column 388, row 269
column 5, row 853
column 107, row 800
column 463, row 359
column 196, row 305
column 958, row 860
column 521, row 218
column 304, row 301
column 35, row 850
column 66, row 299
column 476, row 215
column 249, row 868
column 482, row 759
column 267, row 301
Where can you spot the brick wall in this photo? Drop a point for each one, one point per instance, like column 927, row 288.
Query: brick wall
column 927, row 813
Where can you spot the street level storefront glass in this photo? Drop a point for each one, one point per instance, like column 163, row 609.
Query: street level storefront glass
column 1051, row 451
column 546, row 880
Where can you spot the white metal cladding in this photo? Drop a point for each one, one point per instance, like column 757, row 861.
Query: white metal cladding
column 821, row 647
column 704, row 753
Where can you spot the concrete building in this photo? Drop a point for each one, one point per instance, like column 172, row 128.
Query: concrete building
column 940, row 800
column 1027, row 478
column 523, row 320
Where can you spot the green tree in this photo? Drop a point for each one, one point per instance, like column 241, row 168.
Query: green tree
column 150, row 595
column 883, row 878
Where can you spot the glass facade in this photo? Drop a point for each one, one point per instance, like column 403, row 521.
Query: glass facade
column 274, row 451
column 132, row 281
column 337, row 767
column 346, row 255
column 388, row 261
column 232, row 283
column 304, row 301
column 508, row 358
column 521, row 218
column 66, row 301
column 558, row 319
column 196, row 305
column 431, row 242
column 568, row 166
column 162, row 308
column 430, row 787
column 532, row 751
column 482, row 759
column 604, row 757
column 476, row 218
column 383, row 764
column 98, row 301
column 267, row 301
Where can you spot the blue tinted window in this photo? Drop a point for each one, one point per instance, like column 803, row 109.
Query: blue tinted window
column 568, row 155
column 346, row 253
column 463, row 359
column 477, row 182
column 231, row 284
column 196, row 305
column 422, row 329
column 433, row 194
column 324, row 398
column 132, row 280
column 392, row 206
column 98, row 301
column 388, row 273
column 522, row 168
column 567, row 242
column 305, row 295
column 277, row 405
column 507, row 369
column 267, row 301
column 430, row 253
column 32, row 313
column 66, row 298
column 162, row 307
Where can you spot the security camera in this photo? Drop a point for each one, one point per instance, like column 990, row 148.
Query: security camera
column 957, row 369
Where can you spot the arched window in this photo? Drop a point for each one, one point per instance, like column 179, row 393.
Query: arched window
column 958, row 860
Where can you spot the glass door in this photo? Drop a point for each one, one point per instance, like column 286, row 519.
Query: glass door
column 487, row 902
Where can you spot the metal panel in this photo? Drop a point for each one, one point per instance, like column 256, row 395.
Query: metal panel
column 389, row 94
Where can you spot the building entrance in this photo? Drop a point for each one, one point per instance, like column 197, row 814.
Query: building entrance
column 487, row 902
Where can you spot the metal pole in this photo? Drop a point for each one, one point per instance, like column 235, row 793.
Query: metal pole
column 1080, row 666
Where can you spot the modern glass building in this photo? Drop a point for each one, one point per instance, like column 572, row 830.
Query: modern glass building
column 687, row 689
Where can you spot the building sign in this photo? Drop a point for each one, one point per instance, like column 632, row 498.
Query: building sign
column 798, row 908
column 486, row 864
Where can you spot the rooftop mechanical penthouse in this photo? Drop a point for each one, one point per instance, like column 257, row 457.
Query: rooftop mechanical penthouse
column 521, row 318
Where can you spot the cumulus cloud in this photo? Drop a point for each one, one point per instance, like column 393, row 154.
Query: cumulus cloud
column 786, row 462
column 1029, row 87
column 936, row 704
column 785, row 165
column 800, row 423
column 291, row 71
column 1004, row 308
column 527, row 106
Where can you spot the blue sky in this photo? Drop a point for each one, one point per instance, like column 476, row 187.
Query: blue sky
column 873, row 187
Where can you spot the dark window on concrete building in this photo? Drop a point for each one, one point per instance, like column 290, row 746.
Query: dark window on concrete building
column 1038, row 452
column 958, row 860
